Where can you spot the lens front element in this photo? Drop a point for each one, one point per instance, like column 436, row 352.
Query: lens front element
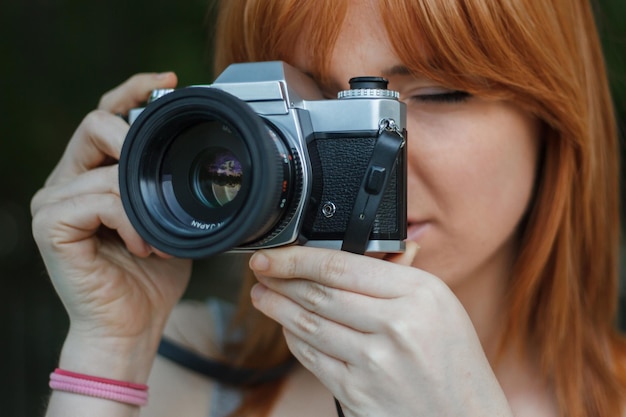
column 217, row 177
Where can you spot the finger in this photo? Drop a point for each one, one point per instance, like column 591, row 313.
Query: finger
column 329, row 370
column 102, row 180
column 100, row 136
column 78, row 220
column 341, row 270
column 325, row 336
column 311, row 343
column 97, row 140
column 135, row 91
column 337, row 355
column 346, row 308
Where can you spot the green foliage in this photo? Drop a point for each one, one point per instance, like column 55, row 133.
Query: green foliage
column 610, row 15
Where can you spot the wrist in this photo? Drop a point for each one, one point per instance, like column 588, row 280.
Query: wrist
column 124, row 359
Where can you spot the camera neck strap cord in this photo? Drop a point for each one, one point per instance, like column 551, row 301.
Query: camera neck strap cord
column 387, row 148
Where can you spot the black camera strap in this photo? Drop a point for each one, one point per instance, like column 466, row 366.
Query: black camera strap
column 382, row 163
column 221, row 371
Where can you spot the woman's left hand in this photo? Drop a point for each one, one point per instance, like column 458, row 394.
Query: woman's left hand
column 385, row 338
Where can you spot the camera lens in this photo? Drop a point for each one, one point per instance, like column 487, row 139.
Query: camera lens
column 201, row 173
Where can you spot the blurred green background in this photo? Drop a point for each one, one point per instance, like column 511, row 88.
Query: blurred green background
column 56, row 59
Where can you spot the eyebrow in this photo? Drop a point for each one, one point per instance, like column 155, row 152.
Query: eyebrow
column 396, row 70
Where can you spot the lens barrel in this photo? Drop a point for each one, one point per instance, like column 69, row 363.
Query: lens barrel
column 202, row 173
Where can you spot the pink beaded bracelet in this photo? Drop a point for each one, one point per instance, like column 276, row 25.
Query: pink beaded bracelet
column 110, row 389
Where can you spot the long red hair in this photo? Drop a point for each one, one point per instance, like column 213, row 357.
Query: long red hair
column 546, row 57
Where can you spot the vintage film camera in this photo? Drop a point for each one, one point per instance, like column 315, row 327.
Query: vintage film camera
column 259, row 159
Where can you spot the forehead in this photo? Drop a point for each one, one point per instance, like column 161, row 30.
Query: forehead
column 362, row 47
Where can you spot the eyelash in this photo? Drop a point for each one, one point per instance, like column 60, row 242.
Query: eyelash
column 449, row 97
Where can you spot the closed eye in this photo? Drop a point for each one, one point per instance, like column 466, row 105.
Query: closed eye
column 456, row 96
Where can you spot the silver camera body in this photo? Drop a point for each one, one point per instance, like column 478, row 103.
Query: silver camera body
column 323, row 152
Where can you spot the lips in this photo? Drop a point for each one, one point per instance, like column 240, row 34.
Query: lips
column 415, row 230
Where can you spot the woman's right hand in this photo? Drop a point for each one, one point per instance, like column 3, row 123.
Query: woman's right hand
column 117, row 290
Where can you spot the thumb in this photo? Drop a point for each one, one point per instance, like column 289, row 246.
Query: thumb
column 406, row 258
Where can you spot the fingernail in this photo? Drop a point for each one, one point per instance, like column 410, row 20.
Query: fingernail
column 162, row 75
column 257, row 291
column 259, row 262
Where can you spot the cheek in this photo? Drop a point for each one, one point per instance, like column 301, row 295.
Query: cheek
column 478, row 169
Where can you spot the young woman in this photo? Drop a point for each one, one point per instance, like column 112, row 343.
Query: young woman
column 504, row 302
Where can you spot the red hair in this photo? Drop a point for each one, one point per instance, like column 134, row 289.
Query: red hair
column 545, row 57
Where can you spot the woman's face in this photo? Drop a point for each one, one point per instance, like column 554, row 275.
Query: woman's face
column 471, row 161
